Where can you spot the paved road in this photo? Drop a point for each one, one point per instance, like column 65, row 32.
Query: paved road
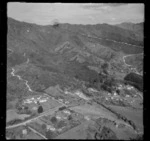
column 49, row 112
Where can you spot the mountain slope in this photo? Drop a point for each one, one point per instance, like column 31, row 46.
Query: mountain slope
column 138, row 28
column 68, row 51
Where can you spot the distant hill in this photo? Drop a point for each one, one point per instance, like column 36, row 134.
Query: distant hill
column 132, row 26
column 49, row 36
column 135, row 61
column 137, row 28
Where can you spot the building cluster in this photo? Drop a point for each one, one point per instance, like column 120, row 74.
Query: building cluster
column 36, row 100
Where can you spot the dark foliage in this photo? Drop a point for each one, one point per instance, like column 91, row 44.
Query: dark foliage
column 133, row 77
column 104, row 66
column 70, row 117
column 61, row 124
column 108, row 84
column 106, row 133
column 54, row 120
column 134, row 80
column 62, row 108
column 40, row 109
column 50, row 134
column 106, row 88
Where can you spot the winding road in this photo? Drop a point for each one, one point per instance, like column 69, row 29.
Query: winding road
column 26, row 82
column 131, row 65
column 127, row 56
column 19, row 77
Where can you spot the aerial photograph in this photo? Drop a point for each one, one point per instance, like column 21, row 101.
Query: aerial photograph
column 75, row 71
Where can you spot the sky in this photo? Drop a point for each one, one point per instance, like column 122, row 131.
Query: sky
column 76, row 13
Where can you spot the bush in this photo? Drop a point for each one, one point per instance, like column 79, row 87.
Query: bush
column 106, row 88
column 54, row 120
column 40, row 109
column 62, row 108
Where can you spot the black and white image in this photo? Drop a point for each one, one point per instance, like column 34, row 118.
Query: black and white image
column 75, row 71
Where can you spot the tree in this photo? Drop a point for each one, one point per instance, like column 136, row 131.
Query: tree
column 118, row 92
column 54, row 120
column 40, row 109
column 62, row 108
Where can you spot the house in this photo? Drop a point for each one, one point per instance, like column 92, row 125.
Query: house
column 106, row 98
column 115, row 94
column 67, row 112
column 58, row 117
column 49, row 127
column 86, row 117
column 129, row 87
column 42, row 100
column 24, row 131
column 80, row 94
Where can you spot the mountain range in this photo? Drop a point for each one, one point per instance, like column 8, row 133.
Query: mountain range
column 69, row 52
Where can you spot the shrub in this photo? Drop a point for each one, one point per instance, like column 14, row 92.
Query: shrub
column 54, row 120
column 62, row 108
column 40, row 109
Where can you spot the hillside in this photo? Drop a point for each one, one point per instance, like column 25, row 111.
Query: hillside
column 67, row 54
column 136, row 61
column 138, row 28
column 64, row 80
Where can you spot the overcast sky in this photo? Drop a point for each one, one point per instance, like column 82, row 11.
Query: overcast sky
column 87, row 13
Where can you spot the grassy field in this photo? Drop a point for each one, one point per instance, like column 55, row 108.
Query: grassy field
column 11, row 115
column 134, row 115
